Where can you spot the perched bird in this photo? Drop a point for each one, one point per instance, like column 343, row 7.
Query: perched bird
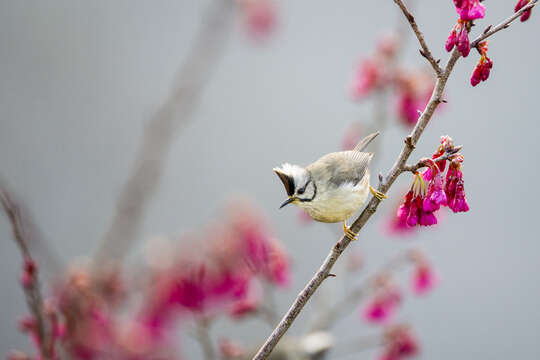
column 332, row 188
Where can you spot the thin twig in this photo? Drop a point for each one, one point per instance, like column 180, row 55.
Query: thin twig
column 159, row 133
column 502, row 25
column 203, row 336
column 425, row 162
column 425, row 52
column 410, row 143
column 32, row 291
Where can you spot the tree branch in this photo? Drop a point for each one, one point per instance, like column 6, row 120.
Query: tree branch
column 159, row 133
column 31, row 290
column 425, row 52
column 425, row 162
column 503, row 25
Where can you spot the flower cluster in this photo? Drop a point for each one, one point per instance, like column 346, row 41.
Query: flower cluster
column 484, row 65
column 376, row 71
column 430, row 190
column 468, row 11
column 221, row 273
column 527, row 13
column 379, row 72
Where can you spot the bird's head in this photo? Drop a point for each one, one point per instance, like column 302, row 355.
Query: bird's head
column 298, row 184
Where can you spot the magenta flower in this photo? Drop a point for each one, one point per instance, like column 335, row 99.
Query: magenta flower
column 381, row 308
column 454, row 187
column 459, row 36
column 463, row 44
column 451, row 41
column 527, row 14
column 469, row 10
column 435, row 196
column 483, row 67
column 423, row 279
column 459, row 202
column 400, row 343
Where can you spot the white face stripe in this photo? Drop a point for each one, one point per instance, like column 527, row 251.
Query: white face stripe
column 298, row 173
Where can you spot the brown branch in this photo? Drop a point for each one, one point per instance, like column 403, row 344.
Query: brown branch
column 503, row 25
column 425, row 162
column 398, row 167
column 32, row 292
column 424, row 51
column 159, row 133
column 203, row 336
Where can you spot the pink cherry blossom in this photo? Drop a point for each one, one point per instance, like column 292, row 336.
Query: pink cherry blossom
column 400, row 343
column 470, row 9
column 423, row 279
column 381, row 308
column 527, row 14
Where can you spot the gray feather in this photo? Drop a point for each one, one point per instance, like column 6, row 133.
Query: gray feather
column 341, row 167
column 365, row 142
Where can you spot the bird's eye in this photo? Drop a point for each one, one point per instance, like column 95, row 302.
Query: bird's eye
column 301, row 191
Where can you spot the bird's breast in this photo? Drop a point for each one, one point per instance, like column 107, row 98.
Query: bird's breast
column 338, row 203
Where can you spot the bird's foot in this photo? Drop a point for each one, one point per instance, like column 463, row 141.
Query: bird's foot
column 348, row 232
column 379, row 195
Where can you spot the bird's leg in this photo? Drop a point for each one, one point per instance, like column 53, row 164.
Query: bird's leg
column 379, row 195
column 348, row 232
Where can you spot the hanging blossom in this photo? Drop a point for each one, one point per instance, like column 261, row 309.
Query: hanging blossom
column 380, row 309
column 468, row 11
column 423, row 278
column 430, row 189
column 527, row 14
column 483, row 67
column 400, row 343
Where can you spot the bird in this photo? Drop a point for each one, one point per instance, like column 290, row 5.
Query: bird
column 332, row 188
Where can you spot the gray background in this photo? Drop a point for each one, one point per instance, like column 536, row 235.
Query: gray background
column 80, row 78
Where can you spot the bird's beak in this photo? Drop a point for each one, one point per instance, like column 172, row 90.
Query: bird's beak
column 288, row 201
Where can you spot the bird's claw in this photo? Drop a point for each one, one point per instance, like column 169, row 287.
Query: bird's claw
column 349, row 233
column 379, row 195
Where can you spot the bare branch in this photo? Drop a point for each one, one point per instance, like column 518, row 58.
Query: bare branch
column 32, row 291
column 503, row 25
column 424, row 51
column 159, row 133
column 425, row 162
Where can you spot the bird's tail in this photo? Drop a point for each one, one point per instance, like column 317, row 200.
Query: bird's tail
column 365, row 142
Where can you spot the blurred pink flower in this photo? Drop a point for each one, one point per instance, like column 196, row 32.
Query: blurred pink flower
column 381, row 308
column 259, row 17
column 423, row 279
column 28, row 277
column 400, row 343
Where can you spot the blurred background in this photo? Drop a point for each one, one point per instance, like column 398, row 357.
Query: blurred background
column 80, row 79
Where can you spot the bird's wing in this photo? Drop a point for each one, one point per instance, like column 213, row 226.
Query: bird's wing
column 341, row 167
